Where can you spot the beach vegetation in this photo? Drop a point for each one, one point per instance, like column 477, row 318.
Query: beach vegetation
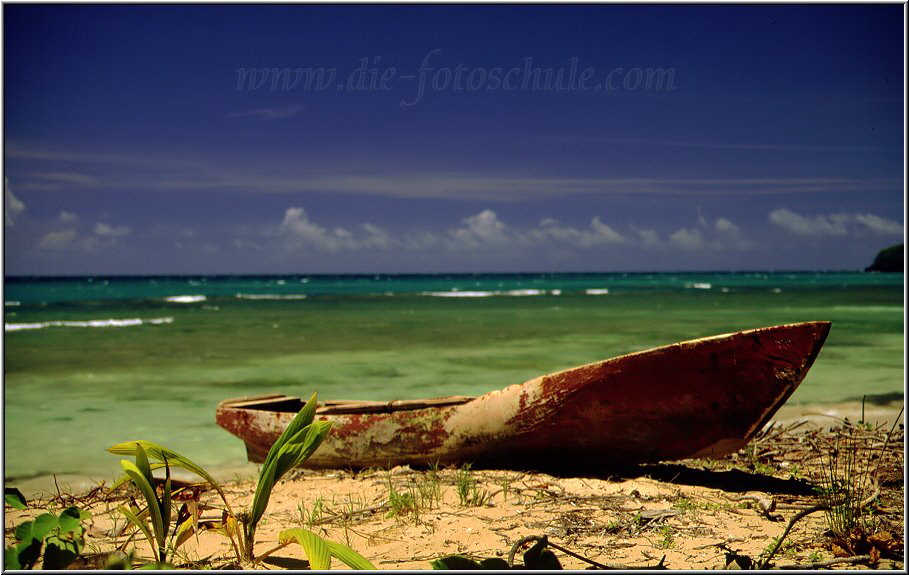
column 850, row 487
column 667, row 538
column 60, row 537
column 777, row 545
column 401, row 502
column 312, row 516
column 469, row 493
column 429, row 488
column 298, row 441
column 692, row 507
column 154, row 520
column 423, row 494
column 14, row 498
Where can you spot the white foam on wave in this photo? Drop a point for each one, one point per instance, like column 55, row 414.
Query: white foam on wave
column 127, row 322
column 185, row 298
column 597, row 291
column 509, row 293
column 524, row 292
column 270, row 296
column 699, row 285
column 459, row 293
column 12, row 303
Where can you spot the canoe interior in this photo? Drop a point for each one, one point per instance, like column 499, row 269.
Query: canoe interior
column 290, row 404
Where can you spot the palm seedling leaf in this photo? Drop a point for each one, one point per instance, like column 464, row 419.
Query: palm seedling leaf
column 143, row 465
column 315, row 547
column 303, row 418
column 138, row 523
column 151, row 499
column 293, row 452
column 349, row 557
column 163, row 454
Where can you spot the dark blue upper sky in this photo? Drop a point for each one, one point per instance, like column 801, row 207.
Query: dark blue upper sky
column 426, row 138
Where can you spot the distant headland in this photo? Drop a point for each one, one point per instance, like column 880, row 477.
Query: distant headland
column 888, row 260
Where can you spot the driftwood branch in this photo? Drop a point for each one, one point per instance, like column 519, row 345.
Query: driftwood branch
column 779, row 541
column 608, row 566
column 829, row 563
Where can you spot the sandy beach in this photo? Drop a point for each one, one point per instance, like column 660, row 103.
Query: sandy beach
column 693, row 514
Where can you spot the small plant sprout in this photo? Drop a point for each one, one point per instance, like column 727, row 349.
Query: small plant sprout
column 299, row 440
column 468, row 492
column 667, row 541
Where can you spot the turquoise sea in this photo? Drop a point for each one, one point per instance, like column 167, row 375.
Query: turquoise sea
column 92, row 361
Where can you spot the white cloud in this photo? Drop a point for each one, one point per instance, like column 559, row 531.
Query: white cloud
column 687, row 239
column 68, row 217
column 880, row 225
column 57, row 240
column 109, row 231
column 722, row 235
column 485, row 231
column 482, row 229
column 376, row 237
column 724, row 226
column 13, row 206
column 597, row 234
column 300, row 231
column 834, row 224
column 819, row 226
column 649, row 238
column 297, row 226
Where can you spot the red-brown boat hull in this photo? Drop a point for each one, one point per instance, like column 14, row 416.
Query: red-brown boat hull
column 700, row 398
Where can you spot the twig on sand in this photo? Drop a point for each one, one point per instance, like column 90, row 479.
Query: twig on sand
column 349, row 514
column 766, row 505
column 779, row 541
column 524, row 540
column 829, row 563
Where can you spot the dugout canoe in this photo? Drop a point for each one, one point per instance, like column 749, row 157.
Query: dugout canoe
column 701, row 398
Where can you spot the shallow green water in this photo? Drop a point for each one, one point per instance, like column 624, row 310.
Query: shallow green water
column 90, row 363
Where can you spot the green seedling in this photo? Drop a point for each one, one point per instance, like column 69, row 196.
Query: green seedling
column 61, row 537
column 299, row 440
column 468, row 492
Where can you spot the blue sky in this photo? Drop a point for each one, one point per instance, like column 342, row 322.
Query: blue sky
column 158, row 139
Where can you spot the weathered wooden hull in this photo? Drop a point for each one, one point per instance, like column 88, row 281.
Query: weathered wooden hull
column 701, row 398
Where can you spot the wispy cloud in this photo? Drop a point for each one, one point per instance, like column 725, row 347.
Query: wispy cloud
column 53, row 181
column 839, row 224
column 12, row 206
column 57, row 240
column 69, row 238
column 775, row 146
column 173, row 174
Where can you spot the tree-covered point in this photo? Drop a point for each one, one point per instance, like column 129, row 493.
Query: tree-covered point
column 888, row 260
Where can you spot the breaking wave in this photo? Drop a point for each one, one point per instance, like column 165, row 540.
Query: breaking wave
column 128, row 322
column 269, row 296
column 185, row 298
